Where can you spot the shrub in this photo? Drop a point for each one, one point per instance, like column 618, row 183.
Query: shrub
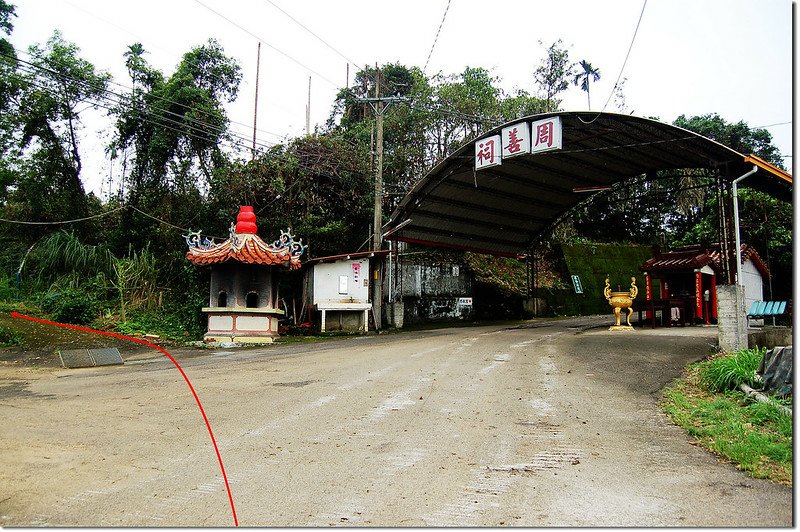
column 727, row 372
column 70, row 306
column 9, row 337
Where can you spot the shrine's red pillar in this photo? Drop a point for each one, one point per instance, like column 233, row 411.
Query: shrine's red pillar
column 698, row 294
column 713, row 296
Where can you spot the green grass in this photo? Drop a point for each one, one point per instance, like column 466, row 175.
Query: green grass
column 10, row 337
column 164, row 324
column 755, row 436
column 727, row 372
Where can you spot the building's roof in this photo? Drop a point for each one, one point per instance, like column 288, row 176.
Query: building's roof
column 690, row 258
column 504, row 209
column 350, row 256
column 245, row 246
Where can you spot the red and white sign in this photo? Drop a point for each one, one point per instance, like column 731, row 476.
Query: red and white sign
column 487, row 152
column 516, row 140
column 546, row 135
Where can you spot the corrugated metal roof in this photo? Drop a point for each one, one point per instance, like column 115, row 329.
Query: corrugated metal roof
column 502, row 210
column 350, row 256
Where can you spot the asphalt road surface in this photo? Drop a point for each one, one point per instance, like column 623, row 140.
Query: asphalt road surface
column 545, row 424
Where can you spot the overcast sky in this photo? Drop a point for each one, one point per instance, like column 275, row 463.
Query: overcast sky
column 731, row 57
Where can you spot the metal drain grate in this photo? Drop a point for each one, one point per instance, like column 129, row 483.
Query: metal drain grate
column 106, row 356
column 76, row 358
column 87, row 358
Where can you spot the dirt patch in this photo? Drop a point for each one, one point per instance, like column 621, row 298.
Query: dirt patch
column 19, row 388
column 41, row 343
column 298, row 384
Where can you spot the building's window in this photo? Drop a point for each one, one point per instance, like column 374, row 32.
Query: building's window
column 222, row 299
column 252, row 300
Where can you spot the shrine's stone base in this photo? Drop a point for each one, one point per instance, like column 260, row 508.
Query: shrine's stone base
column 216, row 339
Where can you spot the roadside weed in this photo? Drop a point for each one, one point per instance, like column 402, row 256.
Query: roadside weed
column 727, row 372
column 755, row 436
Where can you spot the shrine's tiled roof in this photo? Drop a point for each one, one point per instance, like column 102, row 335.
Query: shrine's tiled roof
column 247, row 249
column 695, row 257
column 245, row 246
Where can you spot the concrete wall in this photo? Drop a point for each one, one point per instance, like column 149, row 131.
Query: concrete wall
column 435, row 292
column 769, row 337
column 237, row 280
column 344, row 320
column 753, row 284
column 732, row 323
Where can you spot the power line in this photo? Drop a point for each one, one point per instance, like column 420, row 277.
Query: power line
column 772, row 125
column 436, row 39
column 621, row 70
column 196, row 127
column 320, row 39
column 268, row 44
column 111, row 23
column 149, row 95
column 63, row 222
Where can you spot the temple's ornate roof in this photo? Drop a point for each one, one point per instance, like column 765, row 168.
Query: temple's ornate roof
column 245, row 246
column 696, row 256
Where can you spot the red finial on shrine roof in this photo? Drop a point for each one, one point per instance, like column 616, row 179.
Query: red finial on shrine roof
column 246, row 221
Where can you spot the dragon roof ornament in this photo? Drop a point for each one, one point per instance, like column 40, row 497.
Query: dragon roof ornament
column 245, row 246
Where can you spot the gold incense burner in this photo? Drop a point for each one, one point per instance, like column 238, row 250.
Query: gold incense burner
column 621, row 300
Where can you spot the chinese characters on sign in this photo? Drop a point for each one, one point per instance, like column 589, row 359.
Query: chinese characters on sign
column 516, row 140
column 487, row 152
column 546, row 135
column 534, row 137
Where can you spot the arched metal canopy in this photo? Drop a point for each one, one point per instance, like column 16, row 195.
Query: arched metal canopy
column 503, row 209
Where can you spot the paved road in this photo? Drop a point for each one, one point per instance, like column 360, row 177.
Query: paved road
column 547, row 424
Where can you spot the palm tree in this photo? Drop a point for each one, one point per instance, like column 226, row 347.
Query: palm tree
column 583, row 78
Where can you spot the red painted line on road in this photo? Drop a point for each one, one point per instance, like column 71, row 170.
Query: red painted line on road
column 154, row 346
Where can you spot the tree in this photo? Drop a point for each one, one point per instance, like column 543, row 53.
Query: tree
column 766, row 222
column 738, row 136
column 55, row 87
column 619, row 96
column 173, row 127
column 170, row 133
column 10, row 83
column 584, row 78
column 553, row 74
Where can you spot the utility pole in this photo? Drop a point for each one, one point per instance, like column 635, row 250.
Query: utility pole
column 379, row 106
column 308, row 109
column 255, row 109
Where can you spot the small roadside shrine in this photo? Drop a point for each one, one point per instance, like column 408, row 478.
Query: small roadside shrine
column 683, row 283
column 244, row 301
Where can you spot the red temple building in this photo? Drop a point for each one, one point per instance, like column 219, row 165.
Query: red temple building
column 682, row 284
column 243, row 300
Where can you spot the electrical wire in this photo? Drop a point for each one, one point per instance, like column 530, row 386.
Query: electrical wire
column 177, row 126
column 112, row 211
column 320, row 39
column 196, row 127
column 193, row 63
column 436, row 39
column 621, row 70
column 267, row 44
column 148, row 95
column 63, row 222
